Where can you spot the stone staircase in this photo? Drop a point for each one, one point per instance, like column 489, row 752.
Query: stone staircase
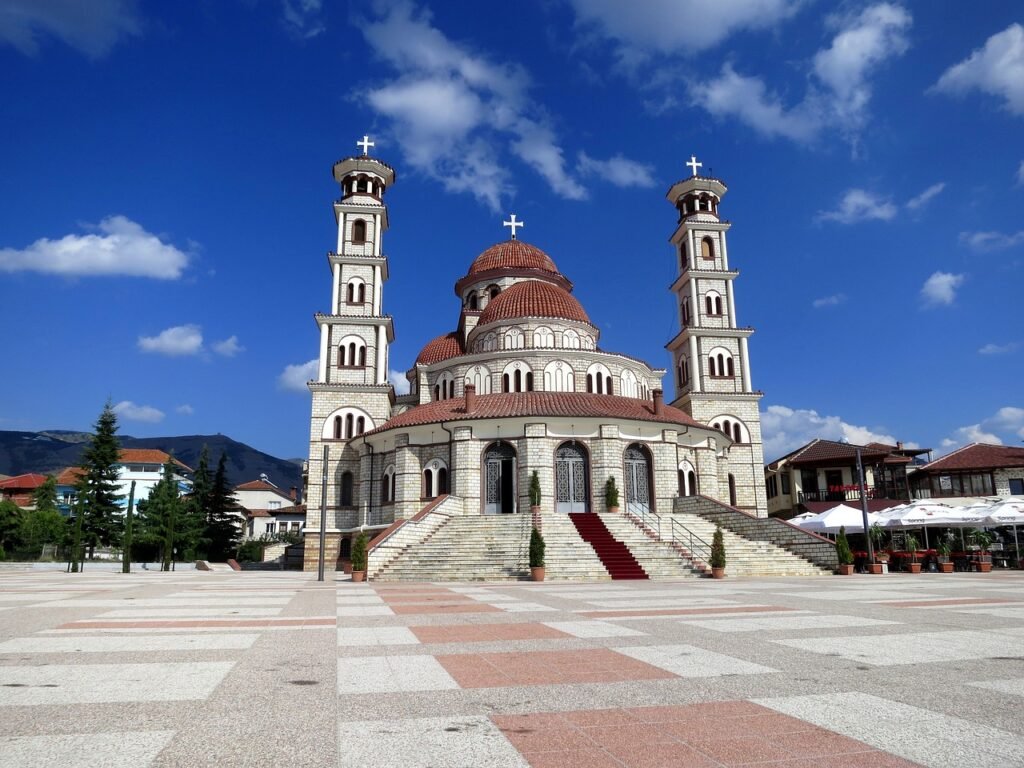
column 566, row 555
column 616, row 557
column 466, row 548
column 746, row 557
column 659, row 559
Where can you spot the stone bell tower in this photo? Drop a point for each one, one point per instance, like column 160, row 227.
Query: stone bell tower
column 351, row 394
column 710, row 357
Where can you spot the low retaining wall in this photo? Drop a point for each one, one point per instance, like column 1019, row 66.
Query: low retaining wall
column 809, row 546
column 402, row 534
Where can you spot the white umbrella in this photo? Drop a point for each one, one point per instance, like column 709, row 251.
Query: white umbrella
column 840, row 516
column 1009, row 512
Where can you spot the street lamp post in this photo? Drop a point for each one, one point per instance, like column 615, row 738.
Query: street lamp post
column 864, row 506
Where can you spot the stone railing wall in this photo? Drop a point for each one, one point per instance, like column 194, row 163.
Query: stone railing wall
column 402, row 534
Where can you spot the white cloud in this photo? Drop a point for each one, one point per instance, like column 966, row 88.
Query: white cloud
column 940, row 289
column 229, row 347
column 398, row 381
column 922, row 200
column 998, row 349
column 991, row 241
column 677, row 26
column 838, row 93
column 618, row 170
column 302, row 17
column 129, row 411
column 123, row 248
column 786, row 429
column 1005, row 425
column 294, row 377
column 454, row 112
column 174, row 342
column 1020, row 174
column 997, row 69
column 185, row 409
column 829, row 301
column 860, row 205
column 93, row 28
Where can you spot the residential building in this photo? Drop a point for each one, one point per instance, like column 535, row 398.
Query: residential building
column 978, row 469
column 267, row 509
column 21, row 488
column 144, row 466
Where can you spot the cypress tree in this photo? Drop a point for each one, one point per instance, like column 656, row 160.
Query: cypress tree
column 197, row 508
column 159, row 515
column 97, row 488
column 221, row 531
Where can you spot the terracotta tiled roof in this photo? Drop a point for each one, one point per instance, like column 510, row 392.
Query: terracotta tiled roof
column 70, row 476
column 513, row 254
column 27, row 482
column 441, row 348
column 262, row 485
column 978, row 456
column 518, row 404
column 147, row 456
column 532, row 298
column 819, row 450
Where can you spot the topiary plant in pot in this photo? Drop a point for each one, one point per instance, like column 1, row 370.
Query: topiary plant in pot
column 536, row 556
column 359, row 558
column 843, row 553
column 718, row 555
column 611, row 494
column 534, row 493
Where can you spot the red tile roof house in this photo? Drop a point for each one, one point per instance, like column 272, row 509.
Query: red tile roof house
column 978, row 469
column 268, row 510
column 143, row 465
column 21, row 488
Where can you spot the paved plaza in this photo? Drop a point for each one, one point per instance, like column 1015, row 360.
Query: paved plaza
column 264, row 669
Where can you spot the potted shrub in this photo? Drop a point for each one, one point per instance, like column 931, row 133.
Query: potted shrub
column 881, row 564
column 359, row 558
column 945, row 563
column 536, row 556
column 982, row 540
column 912, row 546
column 611, row 495
column 718, row 555
column 534, row 493
column 843, row 553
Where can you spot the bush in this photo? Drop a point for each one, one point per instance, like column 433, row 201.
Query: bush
column 611, row 493
column 3, row 555
column 359, row 553
column 534, row 489
column 536, row 549
column 718, row 549
column 843, row 552
column 251, row 551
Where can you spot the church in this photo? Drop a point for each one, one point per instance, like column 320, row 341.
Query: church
column 521, row 384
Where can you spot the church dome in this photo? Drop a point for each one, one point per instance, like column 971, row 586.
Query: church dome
column 441, row 348
column 513, row 254
column 533, row 298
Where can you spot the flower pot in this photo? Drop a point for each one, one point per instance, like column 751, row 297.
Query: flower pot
column 946, row 567
column 718, row 573
column 613, row 510
column 536, row 573
column 535, row 509
column 846, row 569
column 346, row 566
column 984, row 567
column 878, row 568
column 914, row 567
column 358, row 576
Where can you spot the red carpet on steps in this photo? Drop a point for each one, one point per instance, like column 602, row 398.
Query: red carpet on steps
column 616, row 557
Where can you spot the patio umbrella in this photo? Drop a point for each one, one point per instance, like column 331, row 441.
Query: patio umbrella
column 840, row 516
column 1009, row 512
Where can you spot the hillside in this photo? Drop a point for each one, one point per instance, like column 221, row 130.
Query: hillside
column 52, row 450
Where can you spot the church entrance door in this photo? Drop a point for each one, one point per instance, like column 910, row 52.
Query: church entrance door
column 638, row 480
column 500, row 479
column 571, row 479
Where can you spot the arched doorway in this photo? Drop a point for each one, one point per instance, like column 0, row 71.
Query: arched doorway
column 499, row 479
column 571, row 476
column 638, row 479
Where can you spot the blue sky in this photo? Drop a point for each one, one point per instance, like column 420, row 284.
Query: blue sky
column 167, row 195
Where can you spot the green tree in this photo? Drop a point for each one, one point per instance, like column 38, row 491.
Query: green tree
column 10, row 519
column 97, row 488
column 359, row 552
column 39, row 527
column 843, row 553
column 161, row 516
column 45, row 496
column 198, row 505
column 536, row 549
column 221, row 533
column 718, row 549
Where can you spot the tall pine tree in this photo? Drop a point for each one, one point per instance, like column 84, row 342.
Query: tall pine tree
column 161, row 517
column 97, row 488
column 199, row 503
column 221, row 532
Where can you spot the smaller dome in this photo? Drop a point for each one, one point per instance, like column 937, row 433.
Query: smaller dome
column 441, row 348
column 513, row 254
column 533, row 298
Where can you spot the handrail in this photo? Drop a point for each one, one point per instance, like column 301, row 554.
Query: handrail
column 646, row 517
column 694, row 544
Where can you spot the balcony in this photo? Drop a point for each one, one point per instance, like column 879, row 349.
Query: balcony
column 839, row 493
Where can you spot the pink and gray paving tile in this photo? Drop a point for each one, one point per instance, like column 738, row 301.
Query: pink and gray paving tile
column 259, row 669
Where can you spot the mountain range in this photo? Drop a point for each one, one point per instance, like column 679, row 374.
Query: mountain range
column 50, row 451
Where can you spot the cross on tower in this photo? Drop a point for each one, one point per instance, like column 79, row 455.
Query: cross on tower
column 513, row 224
column 694, row 164
column 365, row 144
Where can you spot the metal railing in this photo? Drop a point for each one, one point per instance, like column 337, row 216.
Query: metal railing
column 677, row 534
column 643, row 513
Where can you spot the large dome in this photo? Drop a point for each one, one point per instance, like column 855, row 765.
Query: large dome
column 533, row 298
column 513, row 254
column 441, row 348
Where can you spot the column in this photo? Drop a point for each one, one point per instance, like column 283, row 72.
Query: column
column 377, row 288
column 341, row 233
column 696, row 311
column 382, row 343
column 729, row 301
column 725, row 252
column 695, row 371
column 336, row 290
column 377, row 234
column 322, row 376
column 693, row 253
column 745, row 363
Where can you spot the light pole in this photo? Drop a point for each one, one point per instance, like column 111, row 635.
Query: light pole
column 864, row 506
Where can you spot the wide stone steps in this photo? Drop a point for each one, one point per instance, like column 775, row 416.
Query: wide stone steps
column 567, row 557
column 614, row 554
column 659, row 559
column 744, row 557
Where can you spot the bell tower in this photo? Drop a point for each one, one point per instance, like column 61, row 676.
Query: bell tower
column 710, row 357
column 351, row 393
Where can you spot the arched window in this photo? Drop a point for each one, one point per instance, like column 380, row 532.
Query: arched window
column 480, row 378
column 720, row 362
column 730, row 369
column 687, row 479
column 435, row 479
column 362, row 356
column 428, row 483
column 732, row 490
column 350, row 295
column 474, row 301
column 387, row 486
column 559, row 377
column 571, row 339
column 493, row 291
column 351, row 352
column 345, row 491
column 337, row 427
column 362, row 185
column 718, row 305
column 543, row 337
column 684, row 371
column 360, row 425
column 359, row 229
column 490, row 342
column 346, row 423
column 707, row 248
column 599, row 379
column 684, row 310
column 517, row 377
column 349, row 425
column 444, row 386
column 627, row 384
column 355, row 291
column 513, row 339
column 442, row 480
column 713, row 303
column 684, row 260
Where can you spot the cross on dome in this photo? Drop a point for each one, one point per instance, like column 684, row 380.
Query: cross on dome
column 365, row 144
column 694, row 164
column 513, row 224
